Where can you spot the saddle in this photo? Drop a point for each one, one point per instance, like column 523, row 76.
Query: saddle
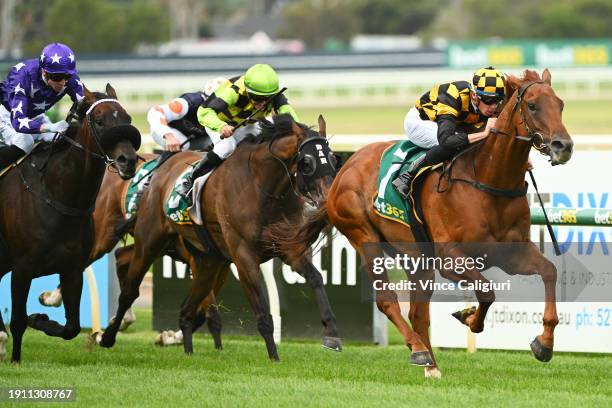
column 388, row 203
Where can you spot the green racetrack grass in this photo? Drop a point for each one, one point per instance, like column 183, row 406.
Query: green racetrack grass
column 137, row 373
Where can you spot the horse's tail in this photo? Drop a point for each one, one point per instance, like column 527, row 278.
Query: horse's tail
column 296, row 238
column 125, row 226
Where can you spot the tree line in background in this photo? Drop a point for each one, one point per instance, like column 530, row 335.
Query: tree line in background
column 93, row 26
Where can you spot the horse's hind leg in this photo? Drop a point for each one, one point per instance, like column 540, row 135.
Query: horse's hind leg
column 419, row 319
column 386, row 300
column 20, row 287
column 72, row 285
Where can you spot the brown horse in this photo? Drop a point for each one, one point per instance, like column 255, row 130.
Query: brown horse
column 488, row 211
column 47, row 223
column 111, row 226
column 250, row 191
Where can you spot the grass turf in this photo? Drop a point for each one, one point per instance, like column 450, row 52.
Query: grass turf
column 137, row 373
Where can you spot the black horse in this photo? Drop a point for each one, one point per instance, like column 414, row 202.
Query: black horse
column 46, row 223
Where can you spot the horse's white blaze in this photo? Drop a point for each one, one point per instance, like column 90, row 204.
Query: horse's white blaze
column 433, row 372
column 3, row 341
column 52, row 298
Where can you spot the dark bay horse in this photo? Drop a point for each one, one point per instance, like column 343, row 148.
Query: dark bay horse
column 252, row 190
column 461, row 213
column 110, row 227
column 46, row 211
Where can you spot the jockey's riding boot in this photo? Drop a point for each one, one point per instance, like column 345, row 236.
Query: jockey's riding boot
column 402, row 182
column 9, row 155
column 208, row 162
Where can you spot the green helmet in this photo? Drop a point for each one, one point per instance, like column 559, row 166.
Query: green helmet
column 261, row 79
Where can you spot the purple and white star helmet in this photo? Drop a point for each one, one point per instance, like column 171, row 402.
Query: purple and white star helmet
column 58, row 58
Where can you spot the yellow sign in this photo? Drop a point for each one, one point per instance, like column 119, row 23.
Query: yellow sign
column 504, row 56
column 591, row 55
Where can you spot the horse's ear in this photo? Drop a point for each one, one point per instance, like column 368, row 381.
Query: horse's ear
column 512, row 84
column 295, row 128
column 89, row 97
column 546, row 76
column 110, row 91
column 322, row 126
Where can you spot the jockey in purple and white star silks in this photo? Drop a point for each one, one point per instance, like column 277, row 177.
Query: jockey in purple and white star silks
column 31, row 88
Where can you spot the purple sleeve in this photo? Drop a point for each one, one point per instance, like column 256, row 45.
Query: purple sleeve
column 75, row 88
column 20, row 107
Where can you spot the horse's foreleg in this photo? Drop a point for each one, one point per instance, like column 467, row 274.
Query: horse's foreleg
column 214, row 321
column 146, row 248
column 71, row 283
column 530, row 262
column 20, row 287
column 247, row 263
column 331, row 339
column 204, row 273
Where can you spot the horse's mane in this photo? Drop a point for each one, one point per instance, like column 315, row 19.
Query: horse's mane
column 282, row 126
column 513, row 82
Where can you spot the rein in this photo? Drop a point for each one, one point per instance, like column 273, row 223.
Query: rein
column 285, row 168
column 43, row 195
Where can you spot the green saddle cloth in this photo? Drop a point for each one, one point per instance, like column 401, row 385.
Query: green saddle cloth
column 136, row 187
column 387, row 201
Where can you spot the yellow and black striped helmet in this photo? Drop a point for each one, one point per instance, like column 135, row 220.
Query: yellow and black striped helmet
column 489, row 83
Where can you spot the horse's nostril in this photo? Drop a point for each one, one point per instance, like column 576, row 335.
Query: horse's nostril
column 121, row 159
column 557, row 145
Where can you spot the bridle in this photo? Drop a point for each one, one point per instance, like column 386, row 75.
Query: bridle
column 94, row 131
column 533, row 136
column 285, row 167
column 43, row 195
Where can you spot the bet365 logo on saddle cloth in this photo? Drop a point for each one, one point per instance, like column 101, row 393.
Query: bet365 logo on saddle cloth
column 176, row 206
column 387, row 201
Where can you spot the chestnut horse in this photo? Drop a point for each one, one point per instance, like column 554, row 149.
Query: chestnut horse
column 462, row 212
column 250, row 191
column 46, row 211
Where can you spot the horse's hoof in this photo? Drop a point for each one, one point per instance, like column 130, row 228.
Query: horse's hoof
column 93, row 340
column 461, row 315
column 127, row 320
column 421, row 359
column 105, row 341
column 332, row 343
column 50, row 299
column 36, row 318
column 433, row 372
column 540, row 351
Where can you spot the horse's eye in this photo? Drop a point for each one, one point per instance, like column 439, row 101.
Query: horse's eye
column 532, row 106
column 99, row 121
